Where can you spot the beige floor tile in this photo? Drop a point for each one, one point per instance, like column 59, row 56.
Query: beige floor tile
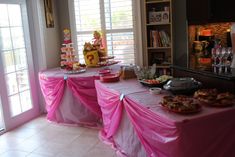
column 14, row 153
column 65, row 138
column 97, row 152
column 40, row 138
column 9, row 142
column 28, row 145
column 38, row 155
column 50, row 148
column 22, row 132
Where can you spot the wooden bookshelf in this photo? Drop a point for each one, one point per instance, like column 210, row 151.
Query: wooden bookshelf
column 157, row 33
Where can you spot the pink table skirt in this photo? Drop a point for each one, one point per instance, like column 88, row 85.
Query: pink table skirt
column 136, row 125
column 71, row 98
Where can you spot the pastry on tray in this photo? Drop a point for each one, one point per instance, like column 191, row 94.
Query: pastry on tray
column 180, row 104
column 211, row 97
column 225, row 99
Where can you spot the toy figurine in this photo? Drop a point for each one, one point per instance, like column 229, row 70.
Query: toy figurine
column 98, row 43
column 67, row 36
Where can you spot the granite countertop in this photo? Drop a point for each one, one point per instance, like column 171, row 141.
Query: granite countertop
column 228, row 76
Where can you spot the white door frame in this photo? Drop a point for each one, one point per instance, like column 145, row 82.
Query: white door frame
column 12, row 122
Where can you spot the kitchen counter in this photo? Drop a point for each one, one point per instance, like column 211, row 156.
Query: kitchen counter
column 223, row 82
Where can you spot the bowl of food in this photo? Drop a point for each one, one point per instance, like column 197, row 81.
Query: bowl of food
column 155, row 90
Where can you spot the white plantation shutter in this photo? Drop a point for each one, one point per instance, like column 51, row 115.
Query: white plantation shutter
column 114, row 18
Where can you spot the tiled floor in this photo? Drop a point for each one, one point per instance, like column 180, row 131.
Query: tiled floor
column 39, row 138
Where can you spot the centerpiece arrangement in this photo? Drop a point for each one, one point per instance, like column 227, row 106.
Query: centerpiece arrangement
column 95, row 53
column 68, row 58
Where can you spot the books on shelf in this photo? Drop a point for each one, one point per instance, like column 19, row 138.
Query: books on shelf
column 159, row 38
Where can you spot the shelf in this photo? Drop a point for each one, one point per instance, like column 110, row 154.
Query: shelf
column 158, row 48
column 163, row 66
column 158, row 34
column 156, row 24
column 159, row 1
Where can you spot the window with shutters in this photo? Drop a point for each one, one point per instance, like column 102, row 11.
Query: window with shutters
column 114, row 18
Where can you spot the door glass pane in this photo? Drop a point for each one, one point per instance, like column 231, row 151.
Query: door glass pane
column 14, row 15
column 14, row 55
column 5, row 38
column 11, row 84
column 25, row 98
column 18, row 37
column 1, row 117
column 3, row 15
column 20, row 59
column 15, row 105
column 9, row 63
column 23, row 80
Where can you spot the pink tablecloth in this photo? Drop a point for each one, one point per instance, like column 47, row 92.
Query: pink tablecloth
column 136, row 125
column 71, row 98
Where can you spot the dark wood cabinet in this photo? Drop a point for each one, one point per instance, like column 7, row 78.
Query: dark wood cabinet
column 198, row 11
column 222, row 10
column 209, row 11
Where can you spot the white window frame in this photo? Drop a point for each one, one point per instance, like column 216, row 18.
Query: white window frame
column 136, row 10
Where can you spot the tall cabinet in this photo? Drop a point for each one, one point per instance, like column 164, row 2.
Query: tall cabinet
column 157, row 34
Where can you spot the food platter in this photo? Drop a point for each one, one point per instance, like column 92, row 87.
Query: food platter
column 198, row 109
column 180, row 104
column 107, row 63
column 106, row 57
column 75, row 71
column 211, row 98
column 148, row 83
column 217, row 104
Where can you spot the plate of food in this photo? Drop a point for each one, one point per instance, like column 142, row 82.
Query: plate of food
column 151, row 83
column 107, row 63
column 180, row 104
column 106, row 57
column 211, row 97
column 82, row 70
column 157, row 82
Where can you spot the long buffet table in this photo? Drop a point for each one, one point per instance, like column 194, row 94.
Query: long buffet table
column 71, row 98
column 136, row 125
column 133, row 121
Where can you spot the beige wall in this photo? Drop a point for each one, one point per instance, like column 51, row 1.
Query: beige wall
column 63, row 14
column 51, row 37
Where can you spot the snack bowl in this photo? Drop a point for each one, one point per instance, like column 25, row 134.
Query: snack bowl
column 155, row 90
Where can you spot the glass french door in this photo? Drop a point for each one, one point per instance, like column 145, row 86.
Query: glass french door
column 16, row 66
column 1, row 118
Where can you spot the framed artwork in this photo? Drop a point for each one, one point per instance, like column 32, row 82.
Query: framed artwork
column 165, row 16
column 49, row 13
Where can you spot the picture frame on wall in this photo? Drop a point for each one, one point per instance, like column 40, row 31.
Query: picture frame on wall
column 49, row 14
